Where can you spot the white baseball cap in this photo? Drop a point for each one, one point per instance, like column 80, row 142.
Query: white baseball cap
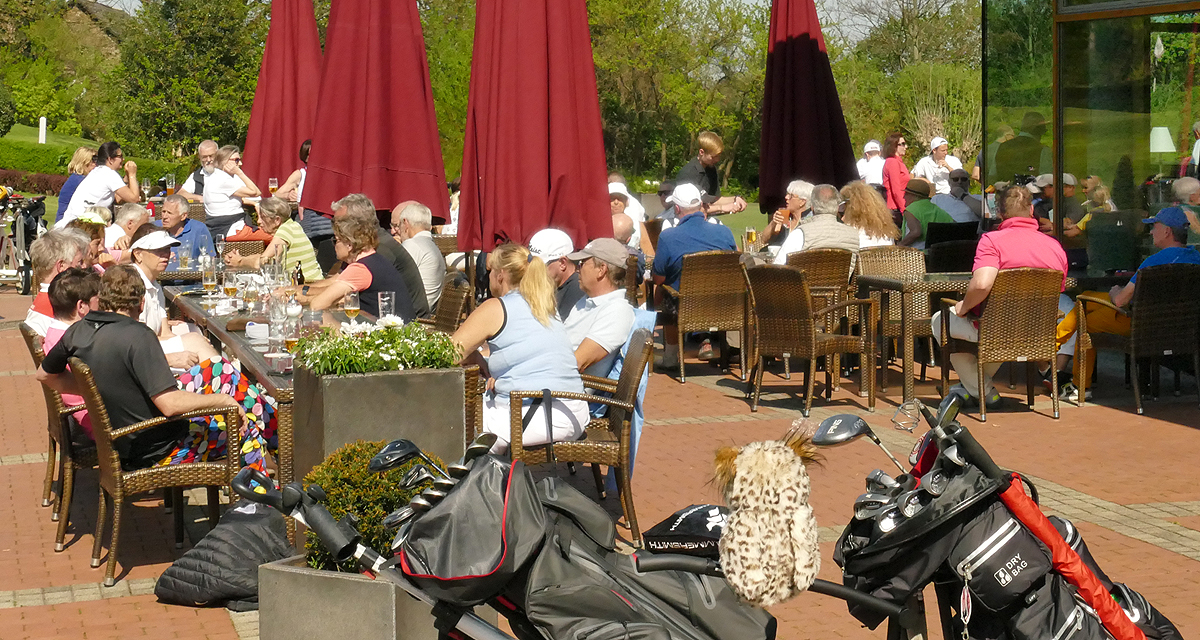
column 551, row 244
column 155, row 240
column 686, row 195
column 937, row 142
column 873, row 145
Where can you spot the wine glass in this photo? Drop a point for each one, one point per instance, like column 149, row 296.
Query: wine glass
column 208, row 275
column 145, row 189
column 350, row 305
column 273, row 185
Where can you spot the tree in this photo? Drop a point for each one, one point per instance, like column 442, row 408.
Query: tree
column 903, row 32
column 449, row 29
column 7, row 111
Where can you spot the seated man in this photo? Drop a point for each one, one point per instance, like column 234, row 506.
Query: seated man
column 390, row 249
column 1169, row 233
column 959, row 203
column 599, row 324
column 188, row 232
column 822, row 230
column 919, row 211
column 119, row 235
column 56, row 251
column 693, row 234
column 73, row 294
column 552, row 246
column 622, row 232
column 129, row 369
column 1017, row 243
column 411, row 225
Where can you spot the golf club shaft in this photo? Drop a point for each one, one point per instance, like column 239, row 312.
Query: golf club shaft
column 876, row 440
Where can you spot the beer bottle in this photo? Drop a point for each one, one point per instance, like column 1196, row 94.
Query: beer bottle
column 298, row 274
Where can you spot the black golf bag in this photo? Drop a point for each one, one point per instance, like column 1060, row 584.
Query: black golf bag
column 27, row 226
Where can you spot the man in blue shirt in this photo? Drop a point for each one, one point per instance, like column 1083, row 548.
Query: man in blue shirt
column 692, row 234
column 189, row 232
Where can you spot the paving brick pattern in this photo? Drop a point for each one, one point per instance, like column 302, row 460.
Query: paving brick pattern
column 1128, row 482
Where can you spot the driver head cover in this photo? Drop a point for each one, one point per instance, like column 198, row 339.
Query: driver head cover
column 769, row 548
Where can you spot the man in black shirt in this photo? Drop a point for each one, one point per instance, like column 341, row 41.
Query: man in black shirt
column 702, row 172
column 129, row 369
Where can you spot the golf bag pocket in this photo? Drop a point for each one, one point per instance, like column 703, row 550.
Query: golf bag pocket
column 1054, row 611
column 998, row 558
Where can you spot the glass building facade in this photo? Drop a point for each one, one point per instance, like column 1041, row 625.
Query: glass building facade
column 1105, row 91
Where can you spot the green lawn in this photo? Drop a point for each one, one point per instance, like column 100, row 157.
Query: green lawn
column 23, row 133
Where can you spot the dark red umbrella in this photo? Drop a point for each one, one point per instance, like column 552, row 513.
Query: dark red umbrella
column 803, row 131
column 534, row 151
column 285, row 101
column 376, row 131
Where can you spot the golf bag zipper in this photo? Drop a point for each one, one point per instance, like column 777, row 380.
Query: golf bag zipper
column 988, row 548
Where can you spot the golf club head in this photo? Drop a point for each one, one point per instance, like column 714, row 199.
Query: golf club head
column 840, row 429
column 433, row 496
column 416, row 476
column 888, row 520
column 880, row 482
column 913, row 502
column 949, row 410
column 934, row 483
column 869, row 505
column 420, row 505
column 398, row 517
column 481, row 445
column 458, row 470
column 394, row 454
column 444, row 485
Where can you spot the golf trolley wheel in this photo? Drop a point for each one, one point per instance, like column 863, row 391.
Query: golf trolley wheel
column 25, row 279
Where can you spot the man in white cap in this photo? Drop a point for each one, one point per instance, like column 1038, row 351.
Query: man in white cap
column 151, row 251
column 599, row 324
column 691, row 235
column 936, row 166
column 870, row 166
column 1043, row 210
column 553, row 246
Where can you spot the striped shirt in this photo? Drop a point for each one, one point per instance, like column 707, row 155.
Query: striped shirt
column 299, row 249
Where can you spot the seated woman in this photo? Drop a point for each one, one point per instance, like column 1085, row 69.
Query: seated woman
column 274, row 217
column 528, row 349
column 151, row 251
column 98, row 257
column 867, row 212
column 355, row 239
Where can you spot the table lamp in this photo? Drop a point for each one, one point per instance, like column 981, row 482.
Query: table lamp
column 1160, row 143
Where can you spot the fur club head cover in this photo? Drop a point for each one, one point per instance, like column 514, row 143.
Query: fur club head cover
column 769, row 547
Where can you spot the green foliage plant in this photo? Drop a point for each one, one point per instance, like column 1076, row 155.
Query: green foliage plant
column 368, row 348
column 53, row 159
column 8, row 110
column 353, row 489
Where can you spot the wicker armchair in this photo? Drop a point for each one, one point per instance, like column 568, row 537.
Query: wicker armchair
column 605, row 441
column 653, row 229
column 1164, row 321
column 897, row 262
column 712, row 297
column 116, row 484
column 451, row 307
column 785, row 324
column 447, row 243
column 245, row 247
column 1018, row 324
column 196, row 211
column 68, row 455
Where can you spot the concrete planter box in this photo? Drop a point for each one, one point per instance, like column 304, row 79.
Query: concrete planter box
column 296, row 601
column 423, row 405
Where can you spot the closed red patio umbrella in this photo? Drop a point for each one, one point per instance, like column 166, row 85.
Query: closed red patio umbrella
column 285, row 100
column 376, row 130
column 803, row 131
column 534, row 151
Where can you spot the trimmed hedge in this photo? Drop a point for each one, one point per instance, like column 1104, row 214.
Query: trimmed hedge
column 52, row 160
column 34, row 182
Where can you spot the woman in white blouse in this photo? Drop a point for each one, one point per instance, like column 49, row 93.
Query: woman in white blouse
column 224, row 190
column 867, row 212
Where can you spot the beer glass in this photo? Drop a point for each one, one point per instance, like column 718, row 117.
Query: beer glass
column 387, row 303
column 350, row 305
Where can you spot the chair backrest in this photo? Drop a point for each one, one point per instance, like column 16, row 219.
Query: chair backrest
column 245, row 247
column 951, row 256
column 712, row 285
column 1113, row 239
column 1166, row 315
column 782, row 309
column 452, row 305
column 653, row 228
column 196, row 211
column 110, row 462
column 631, row 283
column 637, row 357
column 823, row 267
column 1020, row 318
column 447, row 243
column 939, row 232
column 895, row 262
column 55, row 405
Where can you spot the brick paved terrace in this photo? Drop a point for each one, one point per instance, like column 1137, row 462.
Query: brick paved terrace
column 1129, row 482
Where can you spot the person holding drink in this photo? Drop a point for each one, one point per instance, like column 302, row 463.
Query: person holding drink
column 786, row 219
column 224, row 190
column 290, row 241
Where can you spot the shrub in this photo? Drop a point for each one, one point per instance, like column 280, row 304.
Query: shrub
column 352, row 488
column 366, row 348
column 52, row 159
column 34, row 182
column 8, row 111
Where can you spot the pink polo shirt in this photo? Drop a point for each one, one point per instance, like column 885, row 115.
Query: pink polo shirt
column 1018, row 243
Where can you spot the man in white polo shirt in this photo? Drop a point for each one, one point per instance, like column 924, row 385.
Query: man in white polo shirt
column 599, row 324
column 936, row 166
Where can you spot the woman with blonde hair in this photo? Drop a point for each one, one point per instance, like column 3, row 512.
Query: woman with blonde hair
column 224, row 190
column 867, row 212
column 527, row 349
column 81, row 163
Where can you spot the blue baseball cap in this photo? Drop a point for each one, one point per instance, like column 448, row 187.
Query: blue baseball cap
column 1170, row 216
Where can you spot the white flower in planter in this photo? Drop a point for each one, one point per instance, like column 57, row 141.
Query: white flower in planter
column 390, row 321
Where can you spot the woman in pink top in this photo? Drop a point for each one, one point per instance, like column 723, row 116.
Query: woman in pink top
column 895, row 173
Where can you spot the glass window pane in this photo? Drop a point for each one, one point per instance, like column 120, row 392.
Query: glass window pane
column 1018, row 116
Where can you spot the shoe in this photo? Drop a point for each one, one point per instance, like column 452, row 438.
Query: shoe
column 706, row 351
column 965, row 399
column 1070, row 393
column 669, row 358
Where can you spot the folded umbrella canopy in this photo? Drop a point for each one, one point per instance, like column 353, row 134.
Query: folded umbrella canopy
column 534, row 151
column 803, row 131
column 285, row 101
column 376, row 131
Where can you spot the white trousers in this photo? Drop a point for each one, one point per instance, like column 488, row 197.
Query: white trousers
column 965, row 364
column 567, row 420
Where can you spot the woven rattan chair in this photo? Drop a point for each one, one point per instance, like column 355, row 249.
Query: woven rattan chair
column 63, row 453
column 1018, row 324
column 447, row 243
column 785, row 325
column 631, row 283
column 605, row 441
column 1164, row 322
column 712, row 297
column 245, row 247
column 196, row 211
column 653, row 229
column 117, row 485
column 897, row 262
column 451, row 307
column 827, row 272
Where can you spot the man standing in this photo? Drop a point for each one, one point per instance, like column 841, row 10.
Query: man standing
column 1017, row 243
column 193, row 234
column 411, row 225
column 693, row 234
column 1024, row 154
column 193, row 187
column 936, row 166
column 919, row 211
column 959, row 203
column 822, row 230
column 553, row 246
column 599, row 324
column 870, row 166
column 702, row 172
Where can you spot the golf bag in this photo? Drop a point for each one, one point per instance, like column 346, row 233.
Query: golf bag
column 27, row 226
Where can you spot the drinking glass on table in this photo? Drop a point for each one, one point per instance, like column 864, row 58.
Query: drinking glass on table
column 208, row 276
column 273, row 185
column 145, row 189
column 350, row 305
column 751, row 237
column 249, row 292
column 170, row 184
column 185, row 254
column 387, row 303
column 230, row 285
column 219, row 245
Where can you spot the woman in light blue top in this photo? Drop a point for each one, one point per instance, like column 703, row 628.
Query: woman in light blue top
column 527, row 349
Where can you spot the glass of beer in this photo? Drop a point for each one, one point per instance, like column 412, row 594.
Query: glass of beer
column 170, row 184
column 249, row 294
column 208, row 277
column 350, row 305
column 751, row 236
column 230, row 286
column 273, row 185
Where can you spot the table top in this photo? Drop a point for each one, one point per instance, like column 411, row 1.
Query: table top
column 957, row 281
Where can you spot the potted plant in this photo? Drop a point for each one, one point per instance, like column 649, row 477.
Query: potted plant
column 310, row 596
column 380, row 382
